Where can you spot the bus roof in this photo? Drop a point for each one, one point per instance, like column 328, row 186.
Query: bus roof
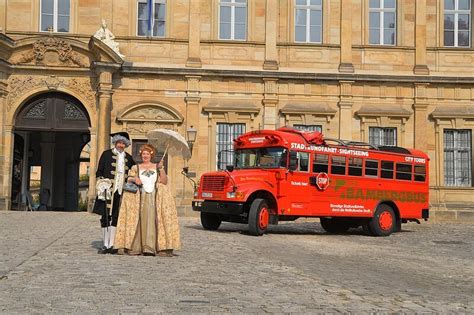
column 288, row 137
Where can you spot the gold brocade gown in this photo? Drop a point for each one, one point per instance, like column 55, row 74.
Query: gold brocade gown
column 148, row 221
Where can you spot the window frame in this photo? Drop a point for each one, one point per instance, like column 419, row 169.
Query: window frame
column 457, row 158
column 308, row 7
column 382, row 10
column 310, row 128
column 153, row 14
column 456, row 12
column 55, row 16
column 232, row 4
column 382, row 135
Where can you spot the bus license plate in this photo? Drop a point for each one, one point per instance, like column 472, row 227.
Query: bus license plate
column 207, row 195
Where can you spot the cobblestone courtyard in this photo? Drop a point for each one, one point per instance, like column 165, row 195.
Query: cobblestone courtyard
column 49, row 264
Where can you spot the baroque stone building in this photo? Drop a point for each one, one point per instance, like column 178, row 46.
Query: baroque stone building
column 393, row 72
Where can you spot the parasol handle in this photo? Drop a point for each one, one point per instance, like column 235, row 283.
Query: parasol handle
column 166, row 151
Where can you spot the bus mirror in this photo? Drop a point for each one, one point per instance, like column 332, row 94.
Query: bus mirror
column 293, row 161
column 229, row 168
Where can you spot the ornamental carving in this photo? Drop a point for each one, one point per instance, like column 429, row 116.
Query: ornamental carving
column 19, row 86
column 38, row 111
column 72, row 112
column 149, row 113
column 65, row 54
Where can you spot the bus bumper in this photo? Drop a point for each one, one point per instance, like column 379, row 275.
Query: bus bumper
column 231, row 208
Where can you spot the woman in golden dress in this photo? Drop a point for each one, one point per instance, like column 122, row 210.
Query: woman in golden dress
column 148, row 221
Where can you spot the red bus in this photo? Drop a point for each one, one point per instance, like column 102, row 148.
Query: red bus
column 285, row 174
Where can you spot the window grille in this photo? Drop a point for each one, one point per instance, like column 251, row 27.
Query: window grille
column 308, row 127
column 382, row 136
column 457, row 158
column 226, row 133
column 233, row 19
column 382, row 22
column 308, row 21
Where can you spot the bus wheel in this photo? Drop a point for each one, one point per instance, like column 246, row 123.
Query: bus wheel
column 334, row 225
column 384, row 221
column 210, row 221
column 258, row 217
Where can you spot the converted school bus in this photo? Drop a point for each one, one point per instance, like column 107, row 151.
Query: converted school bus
column 284, row 174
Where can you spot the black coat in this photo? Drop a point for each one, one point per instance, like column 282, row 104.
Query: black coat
column 106, row 169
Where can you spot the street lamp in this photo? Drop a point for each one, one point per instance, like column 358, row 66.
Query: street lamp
column 191, row 133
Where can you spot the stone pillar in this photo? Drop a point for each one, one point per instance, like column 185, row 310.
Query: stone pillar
column 271, row 31
column 4, row 177
column 345, row 110
column 420, row 106
column 104, row 91
column 420, row 39
column 194, row 37
column 270, row 102
column 346, row 37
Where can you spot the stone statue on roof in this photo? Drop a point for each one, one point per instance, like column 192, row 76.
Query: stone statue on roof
column 105, row 35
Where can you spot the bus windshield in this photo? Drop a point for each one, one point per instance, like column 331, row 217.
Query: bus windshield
column 260, row 158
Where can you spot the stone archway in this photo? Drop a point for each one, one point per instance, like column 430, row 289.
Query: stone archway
column 54, row 128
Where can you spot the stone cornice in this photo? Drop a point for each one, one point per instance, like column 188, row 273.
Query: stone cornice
column 128, row 69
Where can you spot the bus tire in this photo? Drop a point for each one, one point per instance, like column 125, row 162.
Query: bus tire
column 210, row 221
column 384, row 221
column 259, row 217
column 334, row 225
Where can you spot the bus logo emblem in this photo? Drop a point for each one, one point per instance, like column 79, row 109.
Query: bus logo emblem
column 322, row 181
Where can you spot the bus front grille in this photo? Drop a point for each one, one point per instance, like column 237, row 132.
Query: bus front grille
column 213, row 183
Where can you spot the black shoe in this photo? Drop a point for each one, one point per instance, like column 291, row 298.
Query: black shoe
column 103, row 250
column 113, row 251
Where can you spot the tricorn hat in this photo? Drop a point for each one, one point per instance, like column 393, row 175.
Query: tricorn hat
column 121, row 136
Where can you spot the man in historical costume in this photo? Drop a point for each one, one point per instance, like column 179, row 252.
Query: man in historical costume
column 114, row 165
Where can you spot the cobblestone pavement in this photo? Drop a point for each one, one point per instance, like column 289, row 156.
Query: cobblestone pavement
column 49, row 264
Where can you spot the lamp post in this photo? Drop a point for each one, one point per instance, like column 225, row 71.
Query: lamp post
column 191, row 133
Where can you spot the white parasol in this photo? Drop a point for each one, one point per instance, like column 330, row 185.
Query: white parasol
column 172, row 141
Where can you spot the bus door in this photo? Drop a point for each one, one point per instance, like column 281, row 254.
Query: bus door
column 322, row 190
column 297, row 184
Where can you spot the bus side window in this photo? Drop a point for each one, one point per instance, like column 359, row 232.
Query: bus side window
column 404, row 171
column 303, row 158
column 355, row 166
column 371, row 168
column 320, row 163
column 420, row 173
column 387, row 169
column 338, row 165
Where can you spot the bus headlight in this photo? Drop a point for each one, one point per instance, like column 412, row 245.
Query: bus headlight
column 231, row 194
column 235, row 195
column 196, row 194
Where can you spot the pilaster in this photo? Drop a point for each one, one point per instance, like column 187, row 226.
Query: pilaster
column 4, row 177
column 346, row 37
column 420, row 106
column 194, row 43
column 271, row 52
column 345, row 110
column 420, row 39
column 270, row 103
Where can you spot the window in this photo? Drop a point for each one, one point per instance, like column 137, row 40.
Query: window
column 355, row 166
column 55, row 15
column 457, row 157
column 382, row 22
column 457, row 23
column 338, row 165
column 371, row 168
column 382, row 136
column 308, row 21
column 303, row 162
column 233, row 19
column 320, row 163
column 226, row 133
column 151, row 16
column 387, row 169
column 403, row 171
column 420, row 173
column 308, row 127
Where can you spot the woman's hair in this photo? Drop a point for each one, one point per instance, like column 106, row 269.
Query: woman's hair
column 149, row 148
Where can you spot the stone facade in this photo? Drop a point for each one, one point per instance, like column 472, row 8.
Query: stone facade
column 191, row 78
